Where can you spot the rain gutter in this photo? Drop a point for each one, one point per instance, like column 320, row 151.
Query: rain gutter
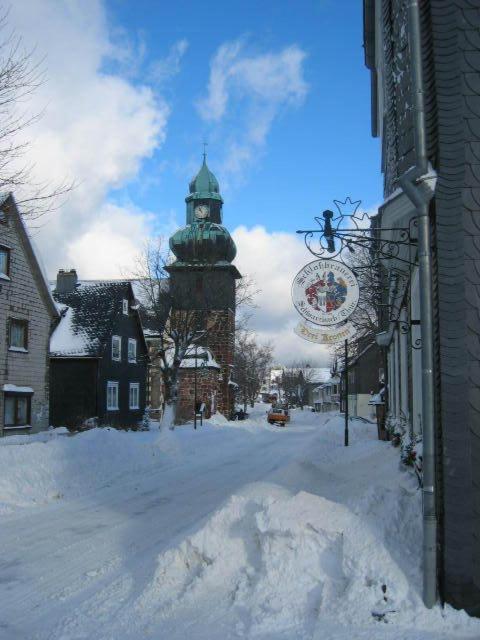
column 421, row 200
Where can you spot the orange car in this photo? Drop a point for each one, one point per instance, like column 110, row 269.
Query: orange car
column 278, row 416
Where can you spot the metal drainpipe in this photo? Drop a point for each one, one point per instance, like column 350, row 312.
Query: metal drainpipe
column 421, row 202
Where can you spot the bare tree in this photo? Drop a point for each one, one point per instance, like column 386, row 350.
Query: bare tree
column 176, row 330
column 246, row 291
column 252, row 362
column 20, row 76
column 295, row 382
column 367, row 316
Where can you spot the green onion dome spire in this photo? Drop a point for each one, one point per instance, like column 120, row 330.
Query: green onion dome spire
column 205, row 184
column 203, row 243
column 204, row 240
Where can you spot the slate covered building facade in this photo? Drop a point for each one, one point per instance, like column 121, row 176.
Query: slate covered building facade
column 98, row 355
column 27, row 317
column 450, row 64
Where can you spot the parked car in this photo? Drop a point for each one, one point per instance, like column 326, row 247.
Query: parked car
column 278, row 416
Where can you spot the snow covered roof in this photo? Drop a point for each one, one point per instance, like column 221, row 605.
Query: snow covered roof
column 203, row 356
column 328, row 383
column 87, row 316
column 316, row 375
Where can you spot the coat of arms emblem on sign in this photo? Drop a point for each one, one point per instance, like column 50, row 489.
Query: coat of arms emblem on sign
column 327, row 294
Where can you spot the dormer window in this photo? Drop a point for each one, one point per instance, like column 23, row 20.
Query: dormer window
column 116, row 348
column 125, row 307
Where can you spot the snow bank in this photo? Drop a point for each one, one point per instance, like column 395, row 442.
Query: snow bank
column 278, row 565
column 315, row 541
column 52, row 465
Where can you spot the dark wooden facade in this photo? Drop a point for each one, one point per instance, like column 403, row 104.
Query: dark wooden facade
column 79, row 380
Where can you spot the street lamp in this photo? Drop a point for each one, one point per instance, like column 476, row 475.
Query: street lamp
column 204, row 357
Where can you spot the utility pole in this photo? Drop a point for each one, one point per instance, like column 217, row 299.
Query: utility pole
column 195, row 391
column 346, row 393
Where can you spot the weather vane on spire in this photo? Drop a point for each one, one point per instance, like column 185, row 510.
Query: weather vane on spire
column 205, row 145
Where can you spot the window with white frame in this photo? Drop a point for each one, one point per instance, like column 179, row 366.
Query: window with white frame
column 112, row 396
column 125, row 306
column 134, row 397
column 18, row 335
column 4, row 262
column 132, row 350
column 16, row 410
column 116, row 348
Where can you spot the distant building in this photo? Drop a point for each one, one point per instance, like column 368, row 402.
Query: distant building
column 326, row 397
column 27, row 316
column 298, row 383
column 313, row 376
column 98, row 355
column 365, row 372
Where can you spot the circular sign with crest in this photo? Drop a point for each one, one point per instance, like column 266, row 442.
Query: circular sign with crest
column 325, row 292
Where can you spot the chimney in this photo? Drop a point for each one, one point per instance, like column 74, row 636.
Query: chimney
column 66, row 281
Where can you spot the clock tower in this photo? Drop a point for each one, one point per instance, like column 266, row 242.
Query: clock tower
column 202, row 281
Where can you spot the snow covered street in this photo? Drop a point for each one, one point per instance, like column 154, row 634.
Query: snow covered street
column 238, row 530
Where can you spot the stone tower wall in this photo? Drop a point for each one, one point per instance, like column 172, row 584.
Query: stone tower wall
column 221, row 342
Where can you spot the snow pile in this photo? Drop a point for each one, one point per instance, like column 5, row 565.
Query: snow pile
column 235, row 530
column 278, row 565
column 52, row 465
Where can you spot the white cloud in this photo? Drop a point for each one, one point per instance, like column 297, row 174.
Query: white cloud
column 273, row 259
column 163, row 70
column 247, row 92
column 115, row 239
column 96, row 128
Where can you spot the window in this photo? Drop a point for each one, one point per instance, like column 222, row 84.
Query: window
column 125, row 307
column 132, row 350
column 116, row 348
column 134, row 396
column 17, row 411
column 18, row 335
column 112, row 396
column 4, row 262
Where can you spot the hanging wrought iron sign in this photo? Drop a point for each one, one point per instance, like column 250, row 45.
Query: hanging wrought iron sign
column 325, row 335
column 325, row 292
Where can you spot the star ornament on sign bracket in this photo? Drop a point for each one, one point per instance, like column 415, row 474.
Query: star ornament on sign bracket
column 325, row 292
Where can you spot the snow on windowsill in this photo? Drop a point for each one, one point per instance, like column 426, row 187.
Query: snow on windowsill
column 18, row 426
column 18, row 349
column 12, row 388
column 3, row 276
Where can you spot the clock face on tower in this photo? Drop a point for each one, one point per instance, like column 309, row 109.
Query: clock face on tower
column 202, row 211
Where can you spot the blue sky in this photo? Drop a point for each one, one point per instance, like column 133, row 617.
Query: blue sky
column 133, row 87
column 315, row 151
